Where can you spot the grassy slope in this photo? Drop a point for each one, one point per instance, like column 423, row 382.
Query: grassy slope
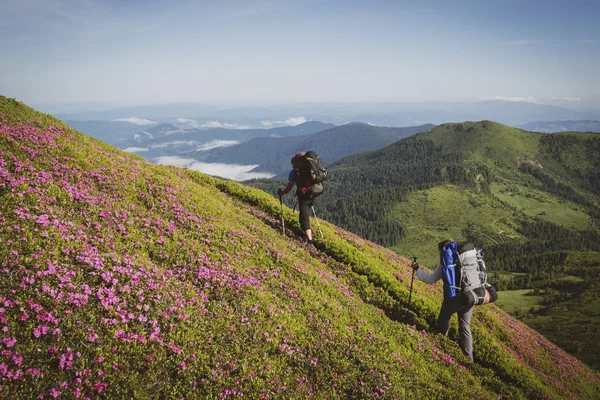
column 521, row 300
column 129, row 279
column 488, row 142
column 445, row 211
column 545, row 206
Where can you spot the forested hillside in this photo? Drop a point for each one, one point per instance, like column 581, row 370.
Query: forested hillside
column 125, row 279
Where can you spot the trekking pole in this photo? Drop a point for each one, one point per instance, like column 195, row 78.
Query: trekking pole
column 319, row 225
column 282, row 219
column 412, row 280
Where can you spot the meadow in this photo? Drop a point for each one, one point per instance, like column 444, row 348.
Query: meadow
column 124, row 279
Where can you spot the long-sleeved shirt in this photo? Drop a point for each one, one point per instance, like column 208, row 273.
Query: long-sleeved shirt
column 433, row 277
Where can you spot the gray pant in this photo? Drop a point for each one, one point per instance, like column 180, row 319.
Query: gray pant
column 465, row 341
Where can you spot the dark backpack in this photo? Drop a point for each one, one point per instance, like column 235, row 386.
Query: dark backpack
column 310, row 174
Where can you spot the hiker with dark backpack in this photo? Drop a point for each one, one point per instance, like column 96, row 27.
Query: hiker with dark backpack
column 308, row 175
column 463, row 272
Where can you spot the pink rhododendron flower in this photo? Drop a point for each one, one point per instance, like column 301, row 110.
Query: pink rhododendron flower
column 41, row 330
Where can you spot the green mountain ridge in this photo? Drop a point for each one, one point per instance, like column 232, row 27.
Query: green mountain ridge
column 125, row 279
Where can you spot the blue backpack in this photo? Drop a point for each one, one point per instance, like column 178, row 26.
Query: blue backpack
column 449, row 261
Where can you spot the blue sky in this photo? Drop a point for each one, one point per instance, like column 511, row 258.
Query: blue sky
column 278, row 51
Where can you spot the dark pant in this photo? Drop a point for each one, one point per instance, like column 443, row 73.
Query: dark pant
column 465, row 341
column 305, row 202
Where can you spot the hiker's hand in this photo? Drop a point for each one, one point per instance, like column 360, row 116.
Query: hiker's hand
column 414, row 266
column 280, row 192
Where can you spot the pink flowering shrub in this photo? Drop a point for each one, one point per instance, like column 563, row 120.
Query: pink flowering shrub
column 124, row 279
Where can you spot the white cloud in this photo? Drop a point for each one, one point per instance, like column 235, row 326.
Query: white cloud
column 212, row 124
column 187, row 123
column 572, row 99
column 136, row 149
column 217, row 143
column 173, row 144
column 144, row 28
column 72, row 12
column 217, row 124
column 89, row 19
column 516, row 99
column 235, row 126
column 137, row 136
column 136, row 121
column 175, row 161
column 587, row 41
column 525, row 42
column 229, row 171
column 292, row 121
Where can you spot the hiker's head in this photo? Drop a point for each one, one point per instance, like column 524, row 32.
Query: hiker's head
column 443, row 243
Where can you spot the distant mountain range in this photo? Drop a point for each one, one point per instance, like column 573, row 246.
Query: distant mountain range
column 506, row 112
column 381, row 114
column 562, row 126
column 113, row 132
column 169, row 140
column 274, row 154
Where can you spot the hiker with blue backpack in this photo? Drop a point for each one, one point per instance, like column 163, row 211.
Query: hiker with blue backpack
column 308, row 175
column 464, row 274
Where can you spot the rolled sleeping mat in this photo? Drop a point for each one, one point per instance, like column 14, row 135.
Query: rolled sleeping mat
column 317, row 189
column 478, row 296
